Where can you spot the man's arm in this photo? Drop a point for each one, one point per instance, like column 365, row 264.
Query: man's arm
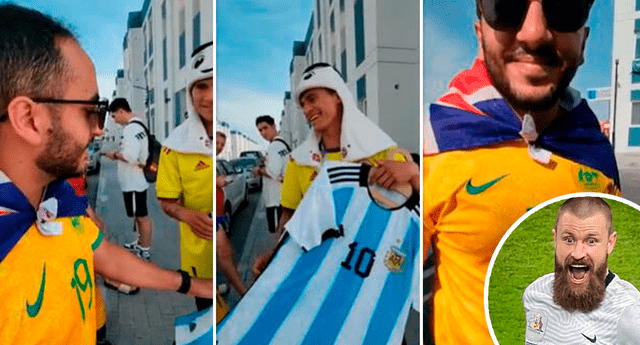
column 389, row 173
column 224, row 256
column 629, row 325
column 262, row 260
column 199, row 222
column 119, row 264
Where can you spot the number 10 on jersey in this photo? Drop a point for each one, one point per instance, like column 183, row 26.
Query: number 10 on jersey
column 366, row 257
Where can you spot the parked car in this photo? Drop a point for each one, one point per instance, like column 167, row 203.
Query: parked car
column 248, row 165
column 236, row 194
column 255, row 154
column 94, row 157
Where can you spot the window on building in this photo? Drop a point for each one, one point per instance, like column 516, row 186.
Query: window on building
column 361, row 86
column 178, row 110
column 144, row 37
column 166, row 128
column 637, row 5
column 635, row 114
column 359, row 26
column 182, row 40
column 151, row 75
column 333, row 55
column 320, row 48
column 341, row 5
column 635, row 95
column 152, row 97
column 163, row 9
column 152, row 121
column 343, row 64
column 150, row 33
column 636, row 26
column 196, row 31
column 164, row 18
column 332, row 22
column 318, row 12
column 164, row 58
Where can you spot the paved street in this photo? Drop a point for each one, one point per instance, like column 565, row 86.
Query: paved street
column 629, row 166
column 146, row 318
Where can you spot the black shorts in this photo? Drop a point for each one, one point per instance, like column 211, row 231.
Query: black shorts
column 136, row 206
column 273, row 217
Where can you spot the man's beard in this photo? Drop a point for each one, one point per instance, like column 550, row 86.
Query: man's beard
column 61, row 157
column 514, row 97
column 584, row 301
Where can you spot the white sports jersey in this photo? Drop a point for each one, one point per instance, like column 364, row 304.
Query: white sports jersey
column 134, row 146
column 276, row 164
column 346, row 272
column 615, row 322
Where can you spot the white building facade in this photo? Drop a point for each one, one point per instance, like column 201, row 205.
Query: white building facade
column 374, row 44
column 156, row 52
column 626, row 51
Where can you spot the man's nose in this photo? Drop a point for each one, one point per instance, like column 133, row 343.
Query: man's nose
column 534, row 31
column 579, row 251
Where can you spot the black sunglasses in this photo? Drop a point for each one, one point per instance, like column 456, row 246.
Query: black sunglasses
column 95, row 116
column 561, row 15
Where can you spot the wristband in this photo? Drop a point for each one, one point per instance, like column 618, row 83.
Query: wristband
column 186, row 282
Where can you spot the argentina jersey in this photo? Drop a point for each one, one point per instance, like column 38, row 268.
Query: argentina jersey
column 346, row 272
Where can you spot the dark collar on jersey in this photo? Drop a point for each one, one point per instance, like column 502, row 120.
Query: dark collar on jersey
column 17, row 215
column 609, row 278
column 473, row 114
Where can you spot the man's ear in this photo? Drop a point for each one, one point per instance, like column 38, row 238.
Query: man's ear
column 584, row 44
column 478, row 29
column 27, row 121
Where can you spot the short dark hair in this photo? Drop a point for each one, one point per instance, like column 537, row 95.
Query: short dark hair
column 119, row 103
column 265, row 118
column 221, row 134
column 31, row 63
column 585, row 207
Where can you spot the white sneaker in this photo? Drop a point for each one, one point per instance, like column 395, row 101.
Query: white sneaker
column 143, row 253
column 131, row 246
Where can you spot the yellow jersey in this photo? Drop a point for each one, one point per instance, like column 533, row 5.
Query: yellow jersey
column 189, row 176
column 47, row 291
column 298, row 178
column 471, row 198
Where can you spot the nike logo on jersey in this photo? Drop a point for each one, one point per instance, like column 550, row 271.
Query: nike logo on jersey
column 475, row 190
column 34, row 309
column 591, row 340
column 201, row 166
column 140, row 135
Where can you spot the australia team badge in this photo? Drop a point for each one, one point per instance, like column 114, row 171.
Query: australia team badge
column 535, row 328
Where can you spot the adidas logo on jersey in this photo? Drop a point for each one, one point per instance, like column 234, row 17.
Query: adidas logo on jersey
column 201, row 166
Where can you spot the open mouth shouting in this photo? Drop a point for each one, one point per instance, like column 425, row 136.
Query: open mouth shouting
column 579, row 273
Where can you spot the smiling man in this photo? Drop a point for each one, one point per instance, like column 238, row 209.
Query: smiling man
column 509, row 134
column 583, row 299
column 49, row 248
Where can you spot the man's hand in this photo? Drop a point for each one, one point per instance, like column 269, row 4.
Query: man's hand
column 390, row 174
column 260, row 264
column 200, row 223
column 221, row 181
column 202, row 288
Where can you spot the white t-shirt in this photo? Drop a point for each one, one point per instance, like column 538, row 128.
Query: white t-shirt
column 615, row 321
column 276, row 164
column 347, row 273
column 134, row 147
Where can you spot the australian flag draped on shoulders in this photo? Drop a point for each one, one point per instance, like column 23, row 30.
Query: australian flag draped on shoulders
column 473, row 114
column 17, row 215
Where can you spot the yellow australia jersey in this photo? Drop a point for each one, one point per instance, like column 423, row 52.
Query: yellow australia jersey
column 47, row 293
column 189, row 176
column 298, row 178
column 471, row 198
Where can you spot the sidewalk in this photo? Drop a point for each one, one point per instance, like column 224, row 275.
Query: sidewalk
column 147, row 317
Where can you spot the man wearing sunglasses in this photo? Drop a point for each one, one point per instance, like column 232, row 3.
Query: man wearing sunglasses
column 509, row 134
column 49, row 248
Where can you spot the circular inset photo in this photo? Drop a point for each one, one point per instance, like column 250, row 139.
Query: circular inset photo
column 568, row 272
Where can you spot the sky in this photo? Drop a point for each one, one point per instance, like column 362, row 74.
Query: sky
column 450, row 45
column 100, row 27
column 254, row 50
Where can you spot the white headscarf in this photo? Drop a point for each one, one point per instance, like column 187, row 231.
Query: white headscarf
column 359, row 137
column 191, row 136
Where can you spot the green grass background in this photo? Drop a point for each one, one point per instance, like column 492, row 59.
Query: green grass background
column 528, row 254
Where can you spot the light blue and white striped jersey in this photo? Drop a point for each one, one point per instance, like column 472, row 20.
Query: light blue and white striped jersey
column 346, row 272
column 195, row 328
column 615, row 322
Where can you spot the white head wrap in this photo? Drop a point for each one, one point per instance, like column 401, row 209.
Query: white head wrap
column 191, row 136
column 360, row 137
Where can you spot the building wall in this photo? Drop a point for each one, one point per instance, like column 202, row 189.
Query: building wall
column 164, row 26
column 626, row 49
column 375, row 45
